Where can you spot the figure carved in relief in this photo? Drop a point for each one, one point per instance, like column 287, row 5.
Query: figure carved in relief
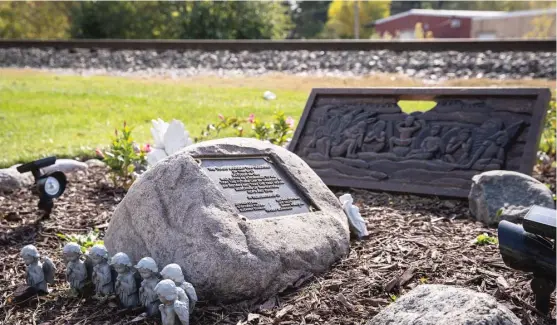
column 375, row 139
column 353, row 140
column 402, row 144
column 430, row 146
column 458, row 147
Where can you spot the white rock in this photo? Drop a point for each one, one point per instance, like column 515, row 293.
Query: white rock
column 357, row 223
column 269, row 95
column 176, row 214
column 95, row 163
column 11, row 179
column 510, row 191
column 66, row 166
column 434, row 304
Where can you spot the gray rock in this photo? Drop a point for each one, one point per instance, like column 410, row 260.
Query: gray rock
column 11, row 179
column 95, row 163
column 510, row 191
column 176, row 214
column 434, row 304
column 66, row 166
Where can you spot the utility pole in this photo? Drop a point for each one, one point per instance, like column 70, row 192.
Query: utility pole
column 356, row 19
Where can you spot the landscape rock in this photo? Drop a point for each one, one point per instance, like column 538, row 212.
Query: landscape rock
column 510, row 191
column 434, row 304
column 95, row 163
column 66, row 166
column 176, row 214
column 11, row 179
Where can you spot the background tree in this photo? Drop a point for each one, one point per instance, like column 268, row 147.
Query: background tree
column 309, row 18
column 340, row 23
column 34, row 19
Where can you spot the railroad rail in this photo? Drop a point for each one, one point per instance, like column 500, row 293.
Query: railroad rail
column 436, row 45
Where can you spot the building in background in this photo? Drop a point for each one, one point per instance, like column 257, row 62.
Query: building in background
column 468, row 24
column 517, row 24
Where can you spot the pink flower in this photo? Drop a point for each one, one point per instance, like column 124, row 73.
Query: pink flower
column 290, row 122
column 221, row 117
column 99, row 153
column 146, row 148
column 251, row 118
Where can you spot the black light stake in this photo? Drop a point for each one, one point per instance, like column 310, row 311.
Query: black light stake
column 49, row 186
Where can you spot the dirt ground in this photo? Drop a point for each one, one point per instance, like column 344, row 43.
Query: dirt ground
column 412, row 240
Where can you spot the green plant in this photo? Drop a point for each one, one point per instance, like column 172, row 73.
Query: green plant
column 547, row 142
column 485, row 239
column 423, row 280
column 85, row 241
column 123, row 157
column 275, row 131
column 393, row 297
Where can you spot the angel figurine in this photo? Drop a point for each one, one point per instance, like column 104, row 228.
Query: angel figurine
column 39, row 273
column 174, row 272
column 102, row 275
column 171, row 307
column 148, row 269
column 356, row 222
column 125, row 286
column 76, row 271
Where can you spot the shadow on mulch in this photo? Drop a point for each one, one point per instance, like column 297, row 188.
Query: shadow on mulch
column 412, row 240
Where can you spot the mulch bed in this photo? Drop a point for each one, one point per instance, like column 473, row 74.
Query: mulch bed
column 412, row 240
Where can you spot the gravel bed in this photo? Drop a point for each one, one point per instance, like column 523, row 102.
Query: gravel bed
column 412, row 240
column 418, row 64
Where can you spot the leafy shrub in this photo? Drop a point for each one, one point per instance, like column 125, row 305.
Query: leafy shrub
column 85, row 241
column 123, row 157
column 275, row 131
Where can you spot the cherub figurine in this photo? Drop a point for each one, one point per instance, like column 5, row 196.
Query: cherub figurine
column 102, row 275
column 174, row 272
column 171, row 307
column 148, row 269
column 125, row 286
column 38, row 273
column 76, row 272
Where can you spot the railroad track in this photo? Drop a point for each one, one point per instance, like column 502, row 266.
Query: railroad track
column 437, row 45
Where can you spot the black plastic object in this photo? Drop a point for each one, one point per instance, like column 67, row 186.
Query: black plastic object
column 45, row 200
column 532, row 252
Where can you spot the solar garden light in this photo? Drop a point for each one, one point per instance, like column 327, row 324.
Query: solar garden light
column 50, row 185
column 531, row 248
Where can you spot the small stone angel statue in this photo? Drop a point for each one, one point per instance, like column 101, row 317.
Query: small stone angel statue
column 76, row 271
column 102, row 274
column 39, row 273
column 174, row 272
column 171, row 307
column 125, row 285
column 148, row 269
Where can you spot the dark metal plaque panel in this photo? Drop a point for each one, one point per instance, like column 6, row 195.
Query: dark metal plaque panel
column 361, row 138
column 255, row 186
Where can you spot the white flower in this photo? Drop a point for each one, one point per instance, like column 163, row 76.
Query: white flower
column 269, row 95
column 168, row 138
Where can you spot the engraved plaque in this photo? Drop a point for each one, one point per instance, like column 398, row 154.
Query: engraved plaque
column 362, row 138
column 255, row 186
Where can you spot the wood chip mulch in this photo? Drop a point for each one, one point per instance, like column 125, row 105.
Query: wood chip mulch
column 412, row 240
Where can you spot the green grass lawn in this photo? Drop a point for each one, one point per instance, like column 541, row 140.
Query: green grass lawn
column 44, row 114
column 47, row 114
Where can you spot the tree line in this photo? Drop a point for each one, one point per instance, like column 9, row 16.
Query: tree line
column 213, row 19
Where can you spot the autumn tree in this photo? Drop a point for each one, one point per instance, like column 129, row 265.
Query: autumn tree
column 340, row 22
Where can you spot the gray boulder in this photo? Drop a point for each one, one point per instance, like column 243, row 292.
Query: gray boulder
column 66, row 166
column 433, row 304
column 510, row 191
column 11, row 179
column 95, row 163
column 176, row 214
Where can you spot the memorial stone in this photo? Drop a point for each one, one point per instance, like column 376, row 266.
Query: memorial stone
column 244, row 219
column 362, row 138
